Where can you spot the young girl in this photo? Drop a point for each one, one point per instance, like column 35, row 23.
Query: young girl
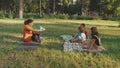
column 28, row 31
column 94, row 42
column 80, row 37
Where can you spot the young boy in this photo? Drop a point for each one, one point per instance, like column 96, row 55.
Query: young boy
column 85, row 31
column 80, row 37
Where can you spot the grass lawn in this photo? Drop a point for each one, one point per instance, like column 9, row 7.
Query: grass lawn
column 50, row 53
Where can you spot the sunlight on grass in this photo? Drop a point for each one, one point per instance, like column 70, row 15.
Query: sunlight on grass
column 91, row 22
column 50, row 53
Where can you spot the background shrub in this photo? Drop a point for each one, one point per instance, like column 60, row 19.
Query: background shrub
column 31, row 15
column 84, row 18
column 2, row 14
column 61, row 16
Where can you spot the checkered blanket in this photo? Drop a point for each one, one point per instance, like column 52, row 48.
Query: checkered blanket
column 68, row 46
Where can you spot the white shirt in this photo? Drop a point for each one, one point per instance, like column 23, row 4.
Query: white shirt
column 83, row 36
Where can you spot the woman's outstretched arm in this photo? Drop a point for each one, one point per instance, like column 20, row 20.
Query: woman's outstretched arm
column 34, row 30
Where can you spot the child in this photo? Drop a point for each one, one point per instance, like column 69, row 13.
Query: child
column 94, row 43
column 29, row 33
column 80, row 37
column 85, row 31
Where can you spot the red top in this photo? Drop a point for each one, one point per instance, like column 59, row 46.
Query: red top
column 86, row 33
column 27, row 34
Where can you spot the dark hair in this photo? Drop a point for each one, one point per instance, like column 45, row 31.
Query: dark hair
column 94, row 31
column 28, row 21
column 80, row 29
column 83, row 24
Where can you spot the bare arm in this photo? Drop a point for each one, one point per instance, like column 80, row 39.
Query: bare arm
column 34, row 30
column 92, row 41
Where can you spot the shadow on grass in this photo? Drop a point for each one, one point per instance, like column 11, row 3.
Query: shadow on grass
column 9, row 43
column 52, row 31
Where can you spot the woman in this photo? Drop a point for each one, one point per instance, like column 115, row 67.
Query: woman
column 28, row 31
column 94, row 43
column 80, row 37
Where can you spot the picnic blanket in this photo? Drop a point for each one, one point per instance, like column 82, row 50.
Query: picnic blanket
column 68, row 46
column 27, row 46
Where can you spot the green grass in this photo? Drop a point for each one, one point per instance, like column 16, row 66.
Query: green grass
column 50, row 53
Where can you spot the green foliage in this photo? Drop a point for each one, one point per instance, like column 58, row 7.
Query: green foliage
column 2, row 14
column 58, row 16
column 65, row 16
column 31, row 6
column 74, row 17
column 83, row 18
column 62, row 16
column 104, row 8
column 118, row 11
column 31, row 15
column 111, row 18
column 11, row 15
column 97, row 18
column 119, row 24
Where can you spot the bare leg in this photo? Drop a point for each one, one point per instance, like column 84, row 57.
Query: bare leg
column 91, row 44
column 85, row 44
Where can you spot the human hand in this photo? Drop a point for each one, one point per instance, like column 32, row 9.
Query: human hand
column 43, row 29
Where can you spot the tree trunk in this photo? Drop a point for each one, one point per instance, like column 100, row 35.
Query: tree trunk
column 82, row 7
column 21, row 9
column 54, row 7
column 40, row 9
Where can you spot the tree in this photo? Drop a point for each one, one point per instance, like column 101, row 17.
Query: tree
column 104, row 8
column 54, row 5
column 84, row 4
column 116, row 8
column 21, row 9
column 40, row 9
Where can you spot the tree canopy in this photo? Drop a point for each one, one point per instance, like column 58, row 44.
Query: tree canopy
column 69, row 7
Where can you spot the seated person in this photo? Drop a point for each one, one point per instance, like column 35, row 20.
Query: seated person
column 94, row 43
column 85, row 31
column 30, row 34
column 80, row 37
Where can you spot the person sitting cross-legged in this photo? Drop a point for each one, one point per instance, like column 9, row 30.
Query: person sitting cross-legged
column 84, row 29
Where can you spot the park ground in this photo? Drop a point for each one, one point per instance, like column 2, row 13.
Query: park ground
column 50, row 53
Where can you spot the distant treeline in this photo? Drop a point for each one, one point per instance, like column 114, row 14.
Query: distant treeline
column 91, row 8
